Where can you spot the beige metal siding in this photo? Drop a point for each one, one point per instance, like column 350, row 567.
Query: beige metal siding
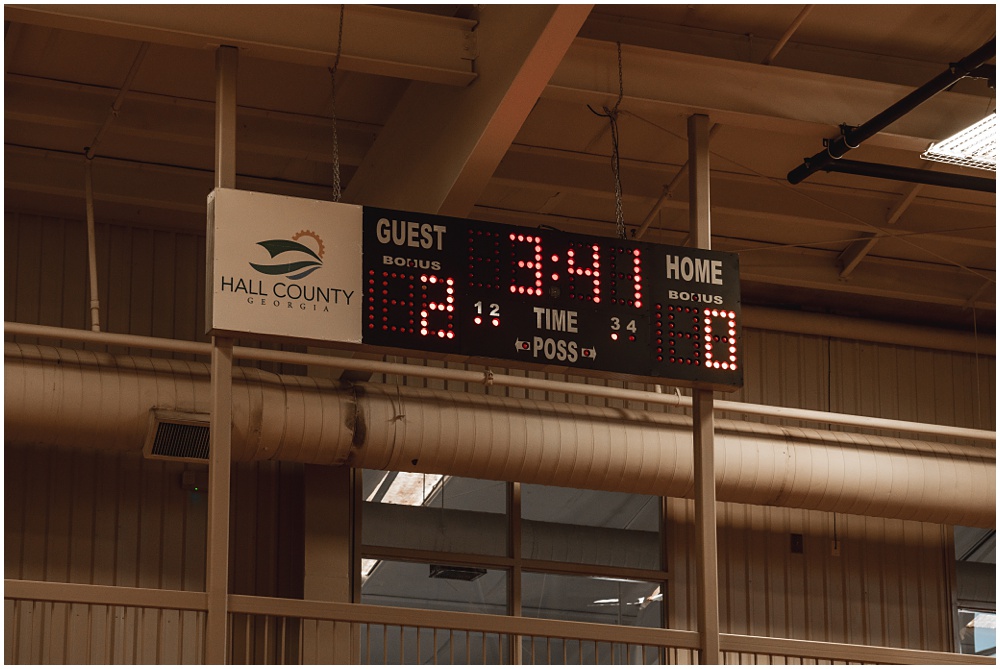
column 149, row 282
column 82, row 517
column 914, row 384
column 784, row 370
column 882, row 380
column 887, row 587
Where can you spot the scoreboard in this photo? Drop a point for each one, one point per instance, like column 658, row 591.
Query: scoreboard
column 542, row 297
column 462, row 289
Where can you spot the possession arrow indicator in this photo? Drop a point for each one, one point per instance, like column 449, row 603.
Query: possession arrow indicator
column 589, row 353
column 522, row 345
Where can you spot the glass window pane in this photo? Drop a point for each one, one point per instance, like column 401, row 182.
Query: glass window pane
column 435, row 513
column 977, row 632
column 592, row 599
column 590, row 527
column 441, row 587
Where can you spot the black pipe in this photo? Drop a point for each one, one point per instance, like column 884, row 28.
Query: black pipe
column 987, row 72
column 912, row 175
column 851, row 137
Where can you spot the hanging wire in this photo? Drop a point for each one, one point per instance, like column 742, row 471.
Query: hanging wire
column 337, row 193
column 612, row 116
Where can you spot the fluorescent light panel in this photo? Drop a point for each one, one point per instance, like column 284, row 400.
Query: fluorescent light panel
column 976, row 146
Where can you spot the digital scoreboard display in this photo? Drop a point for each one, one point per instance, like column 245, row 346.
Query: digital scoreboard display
column 390, row 281
column 544, row 298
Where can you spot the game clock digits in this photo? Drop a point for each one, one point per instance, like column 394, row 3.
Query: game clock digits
column 539, row 297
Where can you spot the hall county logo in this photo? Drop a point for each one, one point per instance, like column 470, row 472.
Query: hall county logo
column 297, row 260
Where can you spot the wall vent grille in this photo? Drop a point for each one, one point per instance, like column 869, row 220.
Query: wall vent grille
column 178, row 436
column 173, row 440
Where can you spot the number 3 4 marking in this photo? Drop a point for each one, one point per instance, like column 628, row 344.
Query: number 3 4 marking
column 616, row 324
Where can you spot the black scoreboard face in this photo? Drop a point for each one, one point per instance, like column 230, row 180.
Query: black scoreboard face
column 543, row 298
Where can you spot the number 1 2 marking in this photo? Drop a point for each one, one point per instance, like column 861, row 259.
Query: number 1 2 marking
column 494, row 309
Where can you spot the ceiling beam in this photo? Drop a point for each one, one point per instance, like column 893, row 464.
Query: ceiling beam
column 856, row 252
column 430, row 48
column 376, row 40
column 751, row 95
column 440, row 147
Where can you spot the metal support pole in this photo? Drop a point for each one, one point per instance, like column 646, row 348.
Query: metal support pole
column 514, row 576
column 704, row 425
column 220, row 459
column 226, row 60
column 220, row 447
column 95, row 298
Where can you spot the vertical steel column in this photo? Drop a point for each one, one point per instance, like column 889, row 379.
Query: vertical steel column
column 665, row 586
column 514, row 576
column 328, row 568
column 357, row 508
column 220, row 450
column 226, row 61
column 704, row 426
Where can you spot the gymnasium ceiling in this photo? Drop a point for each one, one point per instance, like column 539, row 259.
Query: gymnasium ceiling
column 482, row 111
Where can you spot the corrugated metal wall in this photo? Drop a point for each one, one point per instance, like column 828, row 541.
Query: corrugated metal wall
column 92, row 518
column 81, row 517
column 150, row 282
column 869, row 379
column 103, row 519
column 886, row 587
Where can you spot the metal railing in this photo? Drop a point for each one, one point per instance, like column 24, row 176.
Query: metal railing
column 52, row 623
column 69, row 623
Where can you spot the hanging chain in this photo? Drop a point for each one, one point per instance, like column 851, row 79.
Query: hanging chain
column 612, row 116
column 333, row 89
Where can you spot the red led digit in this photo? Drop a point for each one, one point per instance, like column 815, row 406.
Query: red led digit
column 624, row 276
column 583, row 266
column 637, row 277
column 485, row 263
column 440, row 308
column 526, row 264
column 683, row 334
column 720, row 345
column 391, row 315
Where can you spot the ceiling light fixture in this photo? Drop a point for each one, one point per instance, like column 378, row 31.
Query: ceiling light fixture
column 456, row 573
column 976, row 146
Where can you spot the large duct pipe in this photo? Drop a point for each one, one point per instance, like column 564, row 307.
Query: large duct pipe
column 84, row 399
